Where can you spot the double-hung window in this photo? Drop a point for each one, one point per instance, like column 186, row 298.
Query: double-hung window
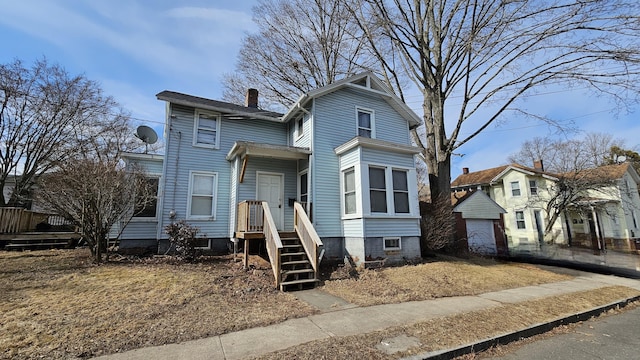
column 349, row 191
column 365, row 123
column 377, row 190
column 202, row 195
column 533, row 187
column 515, row 188
column 299, row 127
column 400, row 191
column 520, row 224
column 207, row 129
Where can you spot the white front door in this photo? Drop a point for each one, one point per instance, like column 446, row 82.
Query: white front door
column 270, row 188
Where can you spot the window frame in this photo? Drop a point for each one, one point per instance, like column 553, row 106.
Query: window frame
column 391, row 248
column 345, row 193
column 513, row 189
column 520, row 220
column 385, row 190
column 196, row 129
column 214, row 195
column 135, row 218
column 406, row 174
column 533, row 187
column 299, row 125
column 372, row 122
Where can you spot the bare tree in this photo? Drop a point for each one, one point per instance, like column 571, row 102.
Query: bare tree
column 46, row 118
column 477, row 58
column 301, row 45
column 96, row 194
column 564, row 156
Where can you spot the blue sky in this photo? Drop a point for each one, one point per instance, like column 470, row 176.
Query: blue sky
column 137, row 48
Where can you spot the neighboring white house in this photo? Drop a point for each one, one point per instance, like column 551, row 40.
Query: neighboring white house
column 605, row 217
column 343, row 151
column 608, row 217
column 523, row 192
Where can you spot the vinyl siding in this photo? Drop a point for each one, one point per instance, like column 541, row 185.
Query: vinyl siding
column 353, row 228
column 391, row 227
column 247, row 189
column 186, row 157
column 385, row 157
column 334, row 123
column 478, row 206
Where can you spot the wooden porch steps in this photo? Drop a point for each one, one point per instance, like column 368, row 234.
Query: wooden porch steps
column 40, row 240
column 296, row 270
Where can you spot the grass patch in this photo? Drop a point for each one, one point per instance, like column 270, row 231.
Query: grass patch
column 442, row 278
column 456, row 330
column 58, row 304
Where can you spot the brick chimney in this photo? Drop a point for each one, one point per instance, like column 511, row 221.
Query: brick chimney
column 465, row 170
column 252, row 98
column 538, row 165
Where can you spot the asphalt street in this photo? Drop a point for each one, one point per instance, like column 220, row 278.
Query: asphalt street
column 611, row 337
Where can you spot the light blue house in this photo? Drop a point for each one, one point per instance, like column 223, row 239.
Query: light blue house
column 339, row 165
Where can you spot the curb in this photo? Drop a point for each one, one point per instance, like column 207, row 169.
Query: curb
column 507, row 338
column 576, row 265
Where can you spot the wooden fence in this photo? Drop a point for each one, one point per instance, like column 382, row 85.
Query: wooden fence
column 18, row 220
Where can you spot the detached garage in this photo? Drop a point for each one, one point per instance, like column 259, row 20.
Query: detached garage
column 479, row 222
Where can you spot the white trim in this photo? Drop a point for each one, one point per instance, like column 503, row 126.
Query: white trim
column 517, row 182
column 384, row 243
column 196, row 127
column 214, row 201
column 282, row 199
column 299, row 134
column 388, row 171
column 372, row 121
column 376, row 144
column 299, row 194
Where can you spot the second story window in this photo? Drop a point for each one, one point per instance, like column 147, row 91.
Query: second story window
column 533, row 187
column 515, row 188
column 365, row 123
column 299, row 127
column 207, row 130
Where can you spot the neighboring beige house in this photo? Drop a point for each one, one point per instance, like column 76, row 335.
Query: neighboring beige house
column 523, row 192
column 607, row 218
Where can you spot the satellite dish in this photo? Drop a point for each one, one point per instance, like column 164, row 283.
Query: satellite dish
column 147, row 135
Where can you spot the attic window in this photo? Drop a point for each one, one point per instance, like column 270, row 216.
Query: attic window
column 365, row 123
column 300, row 126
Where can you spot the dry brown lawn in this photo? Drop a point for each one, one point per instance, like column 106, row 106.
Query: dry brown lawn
column 446, row 332
column 57, row 304
column 445, row 277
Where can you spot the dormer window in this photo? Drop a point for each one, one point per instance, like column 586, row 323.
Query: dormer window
column 365, row 123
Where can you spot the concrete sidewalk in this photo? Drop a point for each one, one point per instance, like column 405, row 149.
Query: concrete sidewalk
column 339, row 318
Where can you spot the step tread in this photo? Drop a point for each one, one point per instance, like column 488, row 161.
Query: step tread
column 295, row 262
column 294, row 253
column 300, row 281
column 298, row 271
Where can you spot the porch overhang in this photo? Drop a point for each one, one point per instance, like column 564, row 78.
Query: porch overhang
column 282, row 152
column 247, row 149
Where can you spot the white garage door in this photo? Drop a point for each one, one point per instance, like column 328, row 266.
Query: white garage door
column 480, row 237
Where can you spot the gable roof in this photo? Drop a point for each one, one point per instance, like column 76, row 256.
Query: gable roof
column 365, row 81
column 476, row 205
column 229, row 110
column 606, row 173
column 488, row 176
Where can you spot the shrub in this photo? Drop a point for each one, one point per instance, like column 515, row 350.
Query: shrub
column 182, row 237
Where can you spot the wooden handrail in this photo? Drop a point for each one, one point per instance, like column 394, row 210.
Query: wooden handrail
column 17, row 220
column 308, row 237
column 274, row 244
column 250, row 216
